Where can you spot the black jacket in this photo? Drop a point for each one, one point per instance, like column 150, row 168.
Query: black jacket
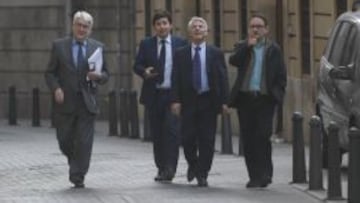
column 273, row 63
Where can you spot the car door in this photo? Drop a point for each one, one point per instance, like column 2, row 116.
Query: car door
column 340, row 52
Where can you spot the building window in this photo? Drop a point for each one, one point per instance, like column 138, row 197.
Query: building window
column 198, row 8
column 217, row 23
column 168, row 5
column 279, row 23
column 147, row 15
column 305, row 36
column 341, row 7
column 243, row 18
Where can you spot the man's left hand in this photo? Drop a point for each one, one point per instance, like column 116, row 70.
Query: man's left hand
column 92, row 75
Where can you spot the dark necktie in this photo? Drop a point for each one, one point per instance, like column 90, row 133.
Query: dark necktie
column 162, row 61
column 80, row 56
column 197, row 70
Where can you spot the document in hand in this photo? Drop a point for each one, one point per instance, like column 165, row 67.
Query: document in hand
column 96, row 60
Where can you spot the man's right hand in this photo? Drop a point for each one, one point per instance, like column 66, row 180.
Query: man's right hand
column 59, row 96
column 176, row 108
column 252, row 41
column 149, row 73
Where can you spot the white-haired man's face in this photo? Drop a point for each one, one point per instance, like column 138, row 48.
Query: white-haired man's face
column 198, row 31
column 81, row 29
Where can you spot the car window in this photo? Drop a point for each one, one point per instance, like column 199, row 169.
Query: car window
column 341, row 50
column 331, row 38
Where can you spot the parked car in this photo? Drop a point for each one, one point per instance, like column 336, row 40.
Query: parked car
column 339, row 79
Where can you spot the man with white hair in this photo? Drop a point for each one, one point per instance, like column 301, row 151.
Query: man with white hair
column 199, row 93
column 74, row 86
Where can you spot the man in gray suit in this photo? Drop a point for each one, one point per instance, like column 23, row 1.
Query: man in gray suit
column 74, row 87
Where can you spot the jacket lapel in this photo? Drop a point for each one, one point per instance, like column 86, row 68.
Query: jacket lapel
column 69, row 54
column 208, row 57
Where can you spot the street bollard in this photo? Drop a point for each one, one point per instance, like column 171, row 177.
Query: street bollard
column 334, row 171
column 124, row 125
column 147, row 132
column 299, row 167
column 354, row 166
column 315, row 167
column 36, row 108
column 113, row 120
column 12, row 106
column 226, row 134
column 134, row 115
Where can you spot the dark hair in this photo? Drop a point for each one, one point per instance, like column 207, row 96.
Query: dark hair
column 161, row 14
column 259, row 15
column 355, row 6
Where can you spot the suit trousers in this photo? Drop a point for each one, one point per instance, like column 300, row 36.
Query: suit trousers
column 255, row 113
column 75, row 135
column 165, row 129
column 199, row 129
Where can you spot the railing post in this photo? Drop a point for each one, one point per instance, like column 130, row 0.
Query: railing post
column 299, row 167
column 124, row 125
column 134, row 115
column 315, row 171
column 226, row 134
column 12, row 106
column 354, row 166
column 334, row 172
column 113, row 120
column 36, row 108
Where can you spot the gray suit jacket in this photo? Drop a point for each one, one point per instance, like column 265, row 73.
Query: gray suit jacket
column 62, row 72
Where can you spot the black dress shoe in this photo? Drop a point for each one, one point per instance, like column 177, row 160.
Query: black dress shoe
column 79, row 185
column 191, row 173
column 159, row 176
column 168, row 174
column 258, row 183
column 202, row 182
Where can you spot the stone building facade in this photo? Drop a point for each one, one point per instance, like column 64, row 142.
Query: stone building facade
column 27, row 28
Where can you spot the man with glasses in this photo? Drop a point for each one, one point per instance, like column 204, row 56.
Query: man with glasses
column 259, row 87
column 73, row 86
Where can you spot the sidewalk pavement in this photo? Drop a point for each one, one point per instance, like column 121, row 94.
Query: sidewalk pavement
column 122, row 170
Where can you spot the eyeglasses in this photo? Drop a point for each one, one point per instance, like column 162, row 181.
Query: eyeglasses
column 82, row 25
column 257, row 26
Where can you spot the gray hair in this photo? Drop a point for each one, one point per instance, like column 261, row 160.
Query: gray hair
column 197, row 18
column 83, row 15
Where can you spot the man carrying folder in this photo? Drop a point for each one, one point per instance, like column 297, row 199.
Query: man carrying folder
column 73, row 86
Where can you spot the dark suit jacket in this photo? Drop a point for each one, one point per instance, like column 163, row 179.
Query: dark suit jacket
column 62, row 72
column 274, row 69
column 148, row 56
column 183, row 90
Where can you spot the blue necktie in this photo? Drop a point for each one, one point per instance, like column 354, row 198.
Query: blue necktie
column 162, row 61
column 197, row 70
column 80, row 56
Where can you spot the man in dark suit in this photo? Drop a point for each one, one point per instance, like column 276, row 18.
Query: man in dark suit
column 74, row 88
column 200, row 91
column 259, row 86
column 154, row 65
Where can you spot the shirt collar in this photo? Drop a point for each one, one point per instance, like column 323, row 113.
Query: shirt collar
column 74, row 42
column 201, row 45
column 167, row 39
column 260, row 44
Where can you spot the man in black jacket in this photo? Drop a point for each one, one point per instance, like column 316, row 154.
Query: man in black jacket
column 199, row 92
column 154, row 65
column 260, row 85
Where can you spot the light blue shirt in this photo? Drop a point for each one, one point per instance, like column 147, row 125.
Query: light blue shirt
column 166, row 84
column 75, row 49
column 255, row 79
column 204, row 76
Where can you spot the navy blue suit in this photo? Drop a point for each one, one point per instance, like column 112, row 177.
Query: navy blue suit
column 199, row 111
column 164, row 125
